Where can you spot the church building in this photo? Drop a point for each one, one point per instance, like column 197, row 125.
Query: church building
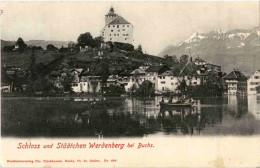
column 117, row 29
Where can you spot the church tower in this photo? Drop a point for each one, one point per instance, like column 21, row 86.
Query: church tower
column 110, row 16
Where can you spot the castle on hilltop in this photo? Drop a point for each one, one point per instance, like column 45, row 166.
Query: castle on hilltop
column 117, row 29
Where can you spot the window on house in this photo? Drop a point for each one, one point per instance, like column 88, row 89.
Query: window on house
column 123, row 25
column 123, row 34
column 108, row 26
column 154, row 78
column 125, row 38
column 111, row 30
column 127, row 25
column 109, row 34
column 252, row 89
column 118, row 30
column 113, row 25
column 256, row 77
column 163, row 77
column 110, row 38
column 123, row 30
column 171, row 78
column 172, row 83
column 162, row 82
column 117, row 34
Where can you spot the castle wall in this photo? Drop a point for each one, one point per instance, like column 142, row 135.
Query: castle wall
column 118, row 33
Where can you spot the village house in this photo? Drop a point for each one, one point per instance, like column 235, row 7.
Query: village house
column 253, row 82
column 13, row 79
column 199, row 61
column 236, row 82
column 6, row 82
column 71, row 46
column 171, row 79
column 85, row 81
column 125, row 78
column 213, row 67
column 138, row 75
column 117, row 29
column 168, row 81
column 84, row 48
column 112, row 80
column 153, row 72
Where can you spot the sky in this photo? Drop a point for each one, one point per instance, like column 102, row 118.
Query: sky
column 156, row 24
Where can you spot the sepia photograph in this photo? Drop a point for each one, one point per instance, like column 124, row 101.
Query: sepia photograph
column 101, row 70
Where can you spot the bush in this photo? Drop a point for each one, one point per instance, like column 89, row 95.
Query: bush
column 8, row 48
column 145, row 89
column 114, row 90
column 51, row 47
column 124, row 46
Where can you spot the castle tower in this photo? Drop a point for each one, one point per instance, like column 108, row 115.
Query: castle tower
column 110, row 16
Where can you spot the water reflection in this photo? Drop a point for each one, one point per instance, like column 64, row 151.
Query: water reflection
column 113, row 117
column 254, row 105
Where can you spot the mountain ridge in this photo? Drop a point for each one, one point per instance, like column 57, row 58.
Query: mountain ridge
column 240, row 47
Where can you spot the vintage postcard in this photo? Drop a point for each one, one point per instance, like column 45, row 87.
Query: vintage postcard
column 130, row 84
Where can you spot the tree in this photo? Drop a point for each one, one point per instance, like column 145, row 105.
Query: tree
column 139, row 48
column 97, row 41
column 86, row 38
column 175, row 59
column 104, row 72
column 184, row 59
column 145, row 89
column 32, row 66
column 114, row 90
column 170, row 60
column 182, row 87
column 21, row 44
column 51, row 47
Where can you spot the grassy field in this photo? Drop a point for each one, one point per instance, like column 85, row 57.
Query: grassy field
column 23, row 60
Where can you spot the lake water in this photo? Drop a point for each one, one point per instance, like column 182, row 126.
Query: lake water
column 124, row 116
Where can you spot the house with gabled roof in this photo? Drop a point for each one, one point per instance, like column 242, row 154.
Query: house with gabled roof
column 253, row 82
column 168, row 81
column 236, row 82
column 199, row 61
column 117, row 28
column 171, row 79
column 153, row 72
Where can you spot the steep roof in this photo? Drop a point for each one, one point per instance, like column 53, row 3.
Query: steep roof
column 138, row 71
column 153, row 68
column 235, row 74
column 199, row 59
column 167, row 73
column 119, row 20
